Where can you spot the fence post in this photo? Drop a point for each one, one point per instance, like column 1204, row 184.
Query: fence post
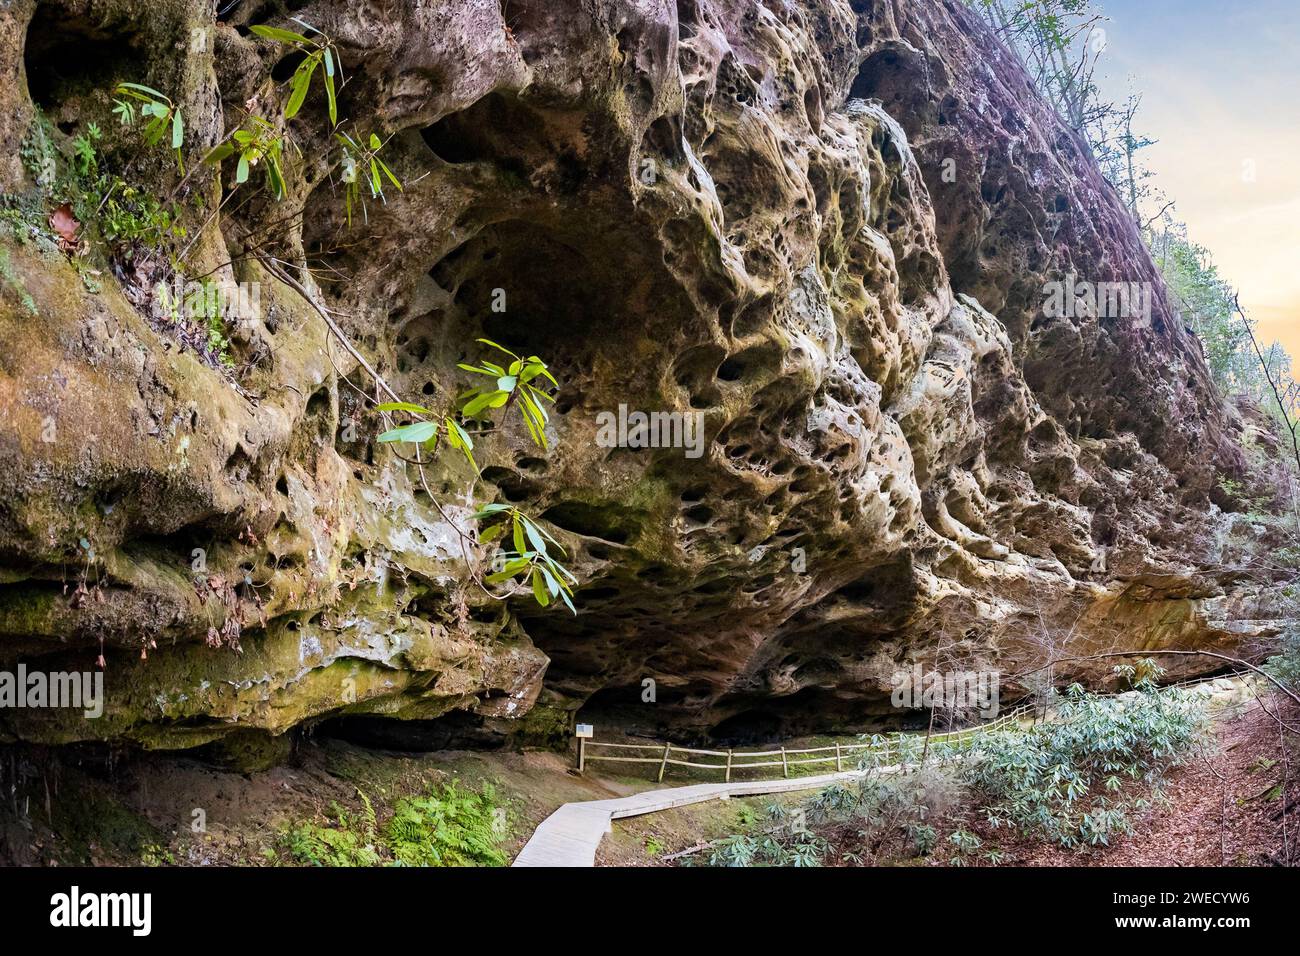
column 728, row 765
column 839, row 764
column 785, row 766
column 663, row 764
column 582, row 753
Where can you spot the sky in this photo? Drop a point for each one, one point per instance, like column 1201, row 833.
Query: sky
column 1220, row 86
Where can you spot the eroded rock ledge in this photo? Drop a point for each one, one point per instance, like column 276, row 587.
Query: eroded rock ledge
column 902, row 452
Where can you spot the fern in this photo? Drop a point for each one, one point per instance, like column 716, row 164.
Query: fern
column 313, row 845
column 448, row 827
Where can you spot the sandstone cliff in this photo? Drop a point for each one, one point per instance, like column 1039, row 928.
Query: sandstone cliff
column 826, row 225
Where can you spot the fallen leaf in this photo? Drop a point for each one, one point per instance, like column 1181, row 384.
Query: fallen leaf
column 65, row 224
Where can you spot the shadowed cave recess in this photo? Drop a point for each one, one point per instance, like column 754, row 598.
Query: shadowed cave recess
column 719, row 206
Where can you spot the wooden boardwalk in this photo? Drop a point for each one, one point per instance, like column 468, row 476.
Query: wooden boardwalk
column 570, row 835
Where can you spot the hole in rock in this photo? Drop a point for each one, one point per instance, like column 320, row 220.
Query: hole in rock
column 898, row 76
column 239, row 465
column 664, row 138
column 456, row 730
column 501, row 130
column 748, row 727
column 607, row 522
column 527, row 463
column 68, row 56
column 319, row 403
column 700, row 515
column 556, row 292
column 513, row 486
column 753, row 317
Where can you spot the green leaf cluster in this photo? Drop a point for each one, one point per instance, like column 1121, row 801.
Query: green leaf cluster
column 513, row 385
column 363, row 163
column 429, row 433
column 530, row 559
column 161, row 117
column 318, row 56
column 448, row 826
column 533, row 558
column 255, row 142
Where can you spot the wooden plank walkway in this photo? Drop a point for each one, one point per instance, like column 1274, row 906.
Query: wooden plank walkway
column 570, row 835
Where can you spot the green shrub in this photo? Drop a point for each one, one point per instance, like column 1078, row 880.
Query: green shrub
column 1063, row 779
column 803, row 850
column 881, row 816
column 1284, row 666
column 964, row 843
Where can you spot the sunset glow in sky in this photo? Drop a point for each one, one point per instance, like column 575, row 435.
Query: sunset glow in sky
column 1220, row 85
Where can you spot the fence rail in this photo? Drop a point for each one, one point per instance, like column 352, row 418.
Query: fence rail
column 670, row 755
column 666, row 755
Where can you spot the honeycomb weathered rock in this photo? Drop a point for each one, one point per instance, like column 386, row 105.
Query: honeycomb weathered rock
column 728, row 207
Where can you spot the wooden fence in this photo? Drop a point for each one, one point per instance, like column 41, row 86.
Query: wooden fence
column 729, row 761
column 665, row 755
